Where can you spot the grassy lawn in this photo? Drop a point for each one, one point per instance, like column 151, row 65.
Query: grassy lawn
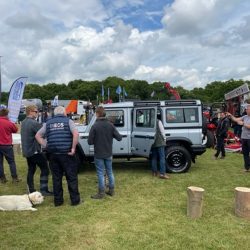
column 146, row 213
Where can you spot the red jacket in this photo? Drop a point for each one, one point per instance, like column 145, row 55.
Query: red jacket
column 6, row 130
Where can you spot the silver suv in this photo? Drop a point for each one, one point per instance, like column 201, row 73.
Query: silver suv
column 136, row 121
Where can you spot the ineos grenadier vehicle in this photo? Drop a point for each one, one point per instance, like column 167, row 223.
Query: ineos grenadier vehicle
column 136, row 121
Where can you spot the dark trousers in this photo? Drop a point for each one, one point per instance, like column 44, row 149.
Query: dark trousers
column 245, row 151
column 40, row 161
column 60, row 164
column 220, row 147
column 7, row 152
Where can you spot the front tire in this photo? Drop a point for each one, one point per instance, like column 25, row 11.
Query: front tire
column 178, row 159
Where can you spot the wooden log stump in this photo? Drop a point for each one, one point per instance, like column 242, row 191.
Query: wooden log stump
column 194, row 202
column 242, row 202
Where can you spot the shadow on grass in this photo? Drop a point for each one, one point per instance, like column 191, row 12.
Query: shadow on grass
column 137, row 165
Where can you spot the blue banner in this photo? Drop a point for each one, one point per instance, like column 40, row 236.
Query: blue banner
column 118, row 90
column 102, row 94
column 15, row 98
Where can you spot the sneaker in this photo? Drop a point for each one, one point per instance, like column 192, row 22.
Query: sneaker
column 246, row 170
column 214, row 158
column 99, row 195
column 16, row 180
column 164, row 176
column 222, row 157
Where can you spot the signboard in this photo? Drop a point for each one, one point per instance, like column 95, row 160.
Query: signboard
column 243, row 89
column 15, row 98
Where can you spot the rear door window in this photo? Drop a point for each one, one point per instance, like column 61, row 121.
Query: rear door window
column 116, row 117
column 145, row 118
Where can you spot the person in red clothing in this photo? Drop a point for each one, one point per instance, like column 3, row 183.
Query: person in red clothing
column 6, row 147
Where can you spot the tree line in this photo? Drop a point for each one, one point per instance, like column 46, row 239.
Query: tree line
column 135, row 89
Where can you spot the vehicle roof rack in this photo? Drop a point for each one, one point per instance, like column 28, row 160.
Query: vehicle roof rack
column 147, row 103
column 181, row 102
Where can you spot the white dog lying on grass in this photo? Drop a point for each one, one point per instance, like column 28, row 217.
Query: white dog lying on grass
column 20, row 202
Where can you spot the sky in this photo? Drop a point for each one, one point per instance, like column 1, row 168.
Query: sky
column 188, row 43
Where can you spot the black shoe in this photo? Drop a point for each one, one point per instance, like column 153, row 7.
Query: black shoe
column 3, row 179
column 47, row 193
column 111, row 192
column 76, row 204
column 58, row 204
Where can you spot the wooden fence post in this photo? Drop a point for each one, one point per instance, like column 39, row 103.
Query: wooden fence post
column 195, row 202
column 242, row 202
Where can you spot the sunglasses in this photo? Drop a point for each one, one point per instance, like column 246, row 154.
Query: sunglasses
column 35, row 111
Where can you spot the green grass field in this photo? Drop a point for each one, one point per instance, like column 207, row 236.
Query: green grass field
column 146, row 213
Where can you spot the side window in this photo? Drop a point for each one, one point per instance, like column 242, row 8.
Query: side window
column 116, row 117
column 174, row 115
column 191, row 115
column 182, row 115
column 145, row 118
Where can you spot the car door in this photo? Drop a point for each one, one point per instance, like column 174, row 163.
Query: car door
column 118, row 117
column 144, row 128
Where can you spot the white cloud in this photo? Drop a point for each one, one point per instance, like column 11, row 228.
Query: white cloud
column 55, row 41
column 195, row 17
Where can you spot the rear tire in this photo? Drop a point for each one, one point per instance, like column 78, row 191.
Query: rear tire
column 210, row 139
column 178, row 159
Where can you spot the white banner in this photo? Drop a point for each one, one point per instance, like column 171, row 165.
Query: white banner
column 55, row 101
column 15, row 98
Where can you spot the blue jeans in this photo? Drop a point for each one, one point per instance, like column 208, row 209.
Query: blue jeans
column 101, row 165
column 158, row 153
column 7, row 152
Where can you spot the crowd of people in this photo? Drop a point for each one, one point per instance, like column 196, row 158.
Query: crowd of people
column 51, row 146
column 241, row 126
column 58, row 137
